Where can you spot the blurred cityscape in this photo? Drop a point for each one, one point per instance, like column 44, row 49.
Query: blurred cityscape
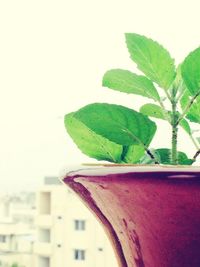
column 50, row 228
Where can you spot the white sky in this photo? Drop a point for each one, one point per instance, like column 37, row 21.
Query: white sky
column 52, row 58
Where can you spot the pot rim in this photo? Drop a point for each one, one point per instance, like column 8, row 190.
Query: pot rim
column 100, row 169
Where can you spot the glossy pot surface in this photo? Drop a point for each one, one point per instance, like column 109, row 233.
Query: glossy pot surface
column 151, row 214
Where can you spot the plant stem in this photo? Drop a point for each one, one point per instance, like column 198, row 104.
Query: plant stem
column 145, row 147
column 188, row 107
column 196, row 155
column 151, row 156
column 194, row 142
column 168, row 95
column 174, row 144
column 174, row 154
column 181, row 93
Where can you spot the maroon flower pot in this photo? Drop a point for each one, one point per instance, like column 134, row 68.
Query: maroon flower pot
column 151, row 214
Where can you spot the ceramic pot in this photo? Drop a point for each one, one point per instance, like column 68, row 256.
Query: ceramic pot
column 151, row 214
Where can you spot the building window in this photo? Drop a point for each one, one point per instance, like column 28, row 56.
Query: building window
column 44, row 235
column 43, row 261
column 79, row 254
column 45, row 203
column 79, row 225
column 2, row 239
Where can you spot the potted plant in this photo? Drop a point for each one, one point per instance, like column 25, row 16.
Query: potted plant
column 148, row 200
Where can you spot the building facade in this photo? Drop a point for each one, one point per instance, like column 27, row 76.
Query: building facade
column 67, row 233
column 17, row 230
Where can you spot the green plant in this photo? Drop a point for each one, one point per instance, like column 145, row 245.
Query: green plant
column 15, row 265
column 118, row 134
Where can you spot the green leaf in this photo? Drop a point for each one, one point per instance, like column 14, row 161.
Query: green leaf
column 119, row 124
column 194, row 112
column 90, row 143
column 133, row 154
column 186, row 126
column 178, row 79
column 153, row 110
column 157, row 112
column 131, row 83
column 190, row 70
column 178, row 83
column 163, row 156
column 152, row 59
